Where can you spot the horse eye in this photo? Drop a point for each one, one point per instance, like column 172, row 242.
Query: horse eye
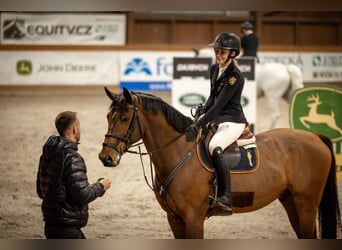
column 124, row 118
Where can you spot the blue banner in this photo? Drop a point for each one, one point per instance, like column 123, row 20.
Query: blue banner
column 158, row 86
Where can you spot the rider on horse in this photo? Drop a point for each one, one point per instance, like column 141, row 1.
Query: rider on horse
column 223, row 108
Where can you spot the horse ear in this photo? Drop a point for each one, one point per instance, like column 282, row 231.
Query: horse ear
column 128, row 96
column 109, row 93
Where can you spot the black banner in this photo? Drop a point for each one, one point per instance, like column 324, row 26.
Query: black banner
column 247, row 67
column 193, row 67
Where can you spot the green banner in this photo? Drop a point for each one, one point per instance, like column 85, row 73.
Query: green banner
column 318, row 109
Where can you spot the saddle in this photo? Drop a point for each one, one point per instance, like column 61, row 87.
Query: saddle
column 247, row 137
column 242, row 155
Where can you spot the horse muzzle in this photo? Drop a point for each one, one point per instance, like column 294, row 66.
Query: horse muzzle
column 108, row 161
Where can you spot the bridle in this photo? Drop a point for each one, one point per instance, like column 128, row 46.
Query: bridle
column 162, row 188
column 127, row 137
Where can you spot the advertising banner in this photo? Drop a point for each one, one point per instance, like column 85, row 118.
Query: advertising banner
column 316, row 66
column 148, row 70
column 247, row 67
column 188, row 93
column 318, row 109
column 145, row 70
column 63, row 29
column 62, row 67
column 191, row 66
column 249, row 93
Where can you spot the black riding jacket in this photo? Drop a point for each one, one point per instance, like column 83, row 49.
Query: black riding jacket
column 249, row 44
column 224, row 101
column 62, row 184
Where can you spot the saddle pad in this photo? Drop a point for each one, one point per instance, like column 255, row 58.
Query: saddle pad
column 249, row 158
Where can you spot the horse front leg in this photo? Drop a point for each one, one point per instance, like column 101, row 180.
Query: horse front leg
column 186, row 228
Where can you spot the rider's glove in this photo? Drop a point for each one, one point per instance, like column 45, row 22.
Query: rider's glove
column 192, row 131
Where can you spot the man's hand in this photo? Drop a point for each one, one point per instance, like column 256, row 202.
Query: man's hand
column 106, row 183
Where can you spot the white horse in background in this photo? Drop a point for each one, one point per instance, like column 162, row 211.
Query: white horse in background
column 274, row 81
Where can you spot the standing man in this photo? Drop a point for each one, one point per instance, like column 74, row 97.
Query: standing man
column 249, row 40
column 62, row 181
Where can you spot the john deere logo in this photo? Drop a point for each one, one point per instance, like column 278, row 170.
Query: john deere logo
column 191, row 99
column 318, row 109
column 24, row 67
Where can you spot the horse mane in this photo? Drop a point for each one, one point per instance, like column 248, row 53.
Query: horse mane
column 175, row 119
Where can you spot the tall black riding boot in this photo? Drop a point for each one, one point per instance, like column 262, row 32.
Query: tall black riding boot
column 223, row 176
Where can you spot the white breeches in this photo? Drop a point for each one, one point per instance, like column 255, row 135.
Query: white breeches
column 226, row 134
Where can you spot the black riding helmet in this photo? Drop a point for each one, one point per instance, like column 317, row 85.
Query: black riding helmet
column 227, row 40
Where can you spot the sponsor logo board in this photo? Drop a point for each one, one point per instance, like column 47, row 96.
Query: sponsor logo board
column 318, row 109
column 47, row 28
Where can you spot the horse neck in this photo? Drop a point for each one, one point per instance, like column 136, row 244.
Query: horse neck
column 163, row 143
column 157, row 133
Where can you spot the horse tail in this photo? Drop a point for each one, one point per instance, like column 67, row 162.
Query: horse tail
column 296, row 77
column 329, row 210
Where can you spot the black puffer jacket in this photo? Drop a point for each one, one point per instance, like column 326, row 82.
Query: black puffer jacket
column 63, row 185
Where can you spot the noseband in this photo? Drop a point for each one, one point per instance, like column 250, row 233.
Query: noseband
column 127, row 137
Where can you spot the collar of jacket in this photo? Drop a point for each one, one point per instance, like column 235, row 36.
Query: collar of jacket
column 70, row 144
column 229, row 68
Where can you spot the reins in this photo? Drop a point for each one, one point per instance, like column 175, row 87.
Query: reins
column 141, row 154
column 161, row 188
column 174, row 172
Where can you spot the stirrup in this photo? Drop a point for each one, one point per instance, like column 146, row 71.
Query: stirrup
column 219, row 209
column 225, row 207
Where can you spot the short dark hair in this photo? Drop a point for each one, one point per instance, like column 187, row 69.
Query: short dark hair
column 64, row 120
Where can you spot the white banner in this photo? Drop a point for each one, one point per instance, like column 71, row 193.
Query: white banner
column 59, row 67
column 316, row 66
column 138, row 70
column 80, row 29
column 188, row 92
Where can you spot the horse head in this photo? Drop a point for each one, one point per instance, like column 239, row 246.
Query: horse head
column 124, row 127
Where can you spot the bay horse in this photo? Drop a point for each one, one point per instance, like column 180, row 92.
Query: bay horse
column 297, row 167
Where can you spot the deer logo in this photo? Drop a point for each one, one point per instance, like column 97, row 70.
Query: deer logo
column 24, row 67
column 317, row 118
